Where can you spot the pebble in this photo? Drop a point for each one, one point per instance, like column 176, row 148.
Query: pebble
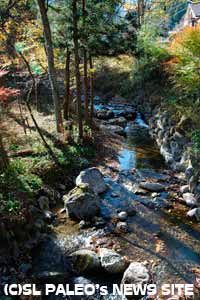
column 122, row 226
column 82, row 224
column 122, row 216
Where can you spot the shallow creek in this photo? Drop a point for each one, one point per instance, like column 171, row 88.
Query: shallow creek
column 161, row 238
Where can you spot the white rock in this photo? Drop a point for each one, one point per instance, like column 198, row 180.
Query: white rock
column 93, row 178
column 189, row 199
column 195, row 212
column 122, row 226
column 184, row 189
column 111, row 261
column 122, row 216
column 136, row 273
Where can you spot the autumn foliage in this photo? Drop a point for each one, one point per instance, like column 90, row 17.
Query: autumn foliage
column 6, row 93
column 184, row 67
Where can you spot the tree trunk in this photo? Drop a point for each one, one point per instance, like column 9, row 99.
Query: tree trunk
column 86, row 85
column 91, row 90
column 77, row 70
column 4, row 161
column 51, row 67
column 67, row 86
column 141, row 11
column 138, row 12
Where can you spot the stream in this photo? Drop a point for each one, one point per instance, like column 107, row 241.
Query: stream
column 158, row 233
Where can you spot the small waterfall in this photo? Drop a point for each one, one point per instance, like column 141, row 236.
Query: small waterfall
column 139, row 121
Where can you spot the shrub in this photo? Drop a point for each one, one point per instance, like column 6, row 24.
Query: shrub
column 185, row 69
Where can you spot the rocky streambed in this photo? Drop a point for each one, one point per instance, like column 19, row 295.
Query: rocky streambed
column 126, row 226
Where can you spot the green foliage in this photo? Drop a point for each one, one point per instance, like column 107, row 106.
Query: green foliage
column 11, row 205
column 196, row 141
column 17, row 183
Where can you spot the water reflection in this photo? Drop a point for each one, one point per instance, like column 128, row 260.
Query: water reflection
column 140, row 150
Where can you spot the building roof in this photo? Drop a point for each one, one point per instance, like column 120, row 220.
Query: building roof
column 195, row 7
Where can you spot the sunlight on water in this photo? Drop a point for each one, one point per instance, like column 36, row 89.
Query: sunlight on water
column 127, row 159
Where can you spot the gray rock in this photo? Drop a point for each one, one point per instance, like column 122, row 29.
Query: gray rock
column 48, row 215
column 82, row 224
column 193, row 182
column 93, row 178
column 84, row 281
column 195, row 212
column 104, row 114
column 184, row 189
column 43, row 202
column 175, row 150
column 130, row 211
column 136, row 273
column 122, row 216
column 62, row 210
column 34, row 212
column 154, row 195
column 114, row 129
column 111, row 261
column 128, row 113
column 160, row 202
column 121, row 121
column 82, row 203
column 189, row 199
column 164, row 150
column 51, row 277
column 99, row 222
column 85, row 261
column 39, row 224
column 185, row 124
column 152, row 187
column 189, row 170
column 122, row 226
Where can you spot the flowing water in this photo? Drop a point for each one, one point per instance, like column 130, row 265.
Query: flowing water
column 162, row 239
column 140, row 151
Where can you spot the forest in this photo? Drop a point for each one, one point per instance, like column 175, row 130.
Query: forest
column 100, row 146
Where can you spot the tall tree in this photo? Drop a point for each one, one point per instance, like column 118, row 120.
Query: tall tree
column 51, row 65
column 85, row 63
column 77, row 65
column 67, row 100
column 91, row 90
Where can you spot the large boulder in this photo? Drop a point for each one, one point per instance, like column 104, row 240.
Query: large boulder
column 93, row 178
column 85, row 261
column 152, row 186
column 82, row 203
column 111, row 261
column 136, row 274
